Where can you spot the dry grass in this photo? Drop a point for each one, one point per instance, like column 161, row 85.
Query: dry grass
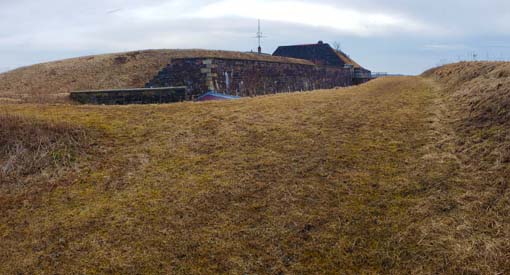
column 477, row 95
column 29, row 147
column 347, row 60
column 365, row 180
column 52, row 82
column 318, row 182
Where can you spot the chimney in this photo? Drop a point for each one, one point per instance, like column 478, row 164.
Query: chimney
column 260, row 50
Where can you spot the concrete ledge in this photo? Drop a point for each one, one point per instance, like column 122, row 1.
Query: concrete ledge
column 131, row 96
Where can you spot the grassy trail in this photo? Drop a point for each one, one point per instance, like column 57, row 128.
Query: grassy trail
column 341, row 181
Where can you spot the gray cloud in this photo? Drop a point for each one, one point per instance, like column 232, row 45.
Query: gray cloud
column 395, row 35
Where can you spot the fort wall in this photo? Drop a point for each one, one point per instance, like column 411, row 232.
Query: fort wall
column 132, row 96
column 249, row 77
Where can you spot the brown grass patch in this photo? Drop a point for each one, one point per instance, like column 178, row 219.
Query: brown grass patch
column 370, row 179
column 29, row 146
column 317, row 182
column 477, row 97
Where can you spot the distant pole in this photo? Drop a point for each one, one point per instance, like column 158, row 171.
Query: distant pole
column 259, row 36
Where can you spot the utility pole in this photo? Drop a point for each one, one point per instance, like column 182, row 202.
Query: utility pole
column 259, row 37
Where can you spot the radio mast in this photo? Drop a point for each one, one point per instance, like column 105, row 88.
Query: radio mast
column 259, row 36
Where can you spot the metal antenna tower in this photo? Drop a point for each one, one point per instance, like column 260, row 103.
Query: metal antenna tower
column 259, row 37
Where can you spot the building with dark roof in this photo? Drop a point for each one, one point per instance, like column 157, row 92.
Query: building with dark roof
column 227, row 75
column 324, row 55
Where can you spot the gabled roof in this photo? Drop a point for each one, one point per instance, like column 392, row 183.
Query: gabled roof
column 320, row 53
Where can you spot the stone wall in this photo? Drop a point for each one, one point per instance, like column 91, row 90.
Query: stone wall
column 132, row 96
column 249, row 77
column 361, row 76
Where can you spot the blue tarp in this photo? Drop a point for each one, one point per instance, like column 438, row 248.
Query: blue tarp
column 216, row 96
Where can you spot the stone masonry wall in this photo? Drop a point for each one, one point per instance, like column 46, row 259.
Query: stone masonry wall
column 249, row 77
column 132, row 96
column 182, row 72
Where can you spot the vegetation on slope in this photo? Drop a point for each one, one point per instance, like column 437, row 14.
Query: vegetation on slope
column 322, row 182
column 374, row 179
column 51, row 82
column 477, row 95
column 28, row 147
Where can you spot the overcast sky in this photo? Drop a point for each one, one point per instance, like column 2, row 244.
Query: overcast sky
column 396, row 36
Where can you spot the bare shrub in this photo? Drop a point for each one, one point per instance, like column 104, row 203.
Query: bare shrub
column 28, row 146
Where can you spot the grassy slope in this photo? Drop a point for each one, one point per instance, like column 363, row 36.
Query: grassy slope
column 369, row 179
column 477, row 95
column 51, row 82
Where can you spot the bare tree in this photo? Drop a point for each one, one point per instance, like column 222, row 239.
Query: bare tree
column 337, row 45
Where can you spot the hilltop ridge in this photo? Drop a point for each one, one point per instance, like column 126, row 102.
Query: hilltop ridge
column 52, row 81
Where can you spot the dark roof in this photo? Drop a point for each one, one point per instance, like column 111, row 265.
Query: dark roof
column 320, row 53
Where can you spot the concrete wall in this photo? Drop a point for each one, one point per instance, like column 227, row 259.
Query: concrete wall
column 132, row 96
column 249, row 77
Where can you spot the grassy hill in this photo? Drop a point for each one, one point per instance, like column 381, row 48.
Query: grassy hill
column 51, row 82
column 400, row 175
column 478, row 94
